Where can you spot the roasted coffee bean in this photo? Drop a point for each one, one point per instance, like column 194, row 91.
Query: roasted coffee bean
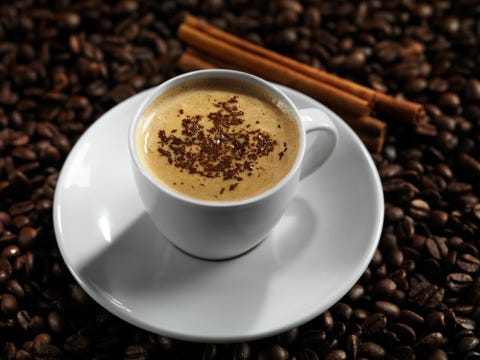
column 375, row 323
column 437, row 84
column 401, row 353
column 359, row 315
column 355, row 293
column 377, row 259
column 79, row 295
column 307, row 354
column 23, row 355
column 327, row 320
column 391, row 310
column 395, row 258
column 445, row 122
column 288, row 338
column 467, row 344
column 5, row 270
column 393, row 213
column 448, row 100
column 37, row 324
column 11, row 251
column 472, row 90
column 335, row 355
column 457, row 188
column 273, row 352
column 23, row 318
column 23, row 153
column 6, row 238
column 381, row 271
column 16, row 289
column 438, row 354
column 468, row 263
column 430, row 341
column 241, row 351
column 384, row 289
column 465, row 323
column 339, row 329
column 138, row 352
column 165, row 343
column 314, row 339
column 438, row 218
column 371, row 350
column 457, row 282
column 21, row 208
column 405, row 333
column 469, row 165
column 342, row 311
column 416, row 85
column 9, row 351
column 330, row 345
column 20, row 182
column 56, row 322
column 436, row 247
column 351, row 344
column 43, row 204
column 27, row 236
column 405, row 229
column 78, row 345
column 426, row 295
column 8, row 304
column 435, row 321
column 47, row 352
column 399, row 190
column 419, row 209
column 391, row 171
column 418, row 241
column 209, row 352
column 20, row 221
column 472, row 355
column 355, row 61
column 388, row 241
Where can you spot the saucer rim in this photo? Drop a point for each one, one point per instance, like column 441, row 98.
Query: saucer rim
column 102, row 298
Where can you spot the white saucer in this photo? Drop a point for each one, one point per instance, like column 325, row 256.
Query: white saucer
column 314, row 256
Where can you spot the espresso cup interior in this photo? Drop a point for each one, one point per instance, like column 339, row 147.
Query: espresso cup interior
column 217, row 136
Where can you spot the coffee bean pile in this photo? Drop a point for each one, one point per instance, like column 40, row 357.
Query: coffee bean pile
column 64, row 63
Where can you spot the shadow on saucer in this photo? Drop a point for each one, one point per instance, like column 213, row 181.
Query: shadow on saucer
column 294, row 232
column 144, row 279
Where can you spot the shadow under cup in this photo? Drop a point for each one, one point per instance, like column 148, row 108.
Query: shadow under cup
column 217, row 230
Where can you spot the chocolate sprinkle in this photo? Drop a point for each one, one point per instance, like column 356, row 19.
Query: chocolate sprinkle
column 216, row 145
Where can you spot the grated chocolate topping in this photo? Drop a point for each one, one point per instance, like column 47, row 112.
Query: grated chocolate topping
column 216, row 145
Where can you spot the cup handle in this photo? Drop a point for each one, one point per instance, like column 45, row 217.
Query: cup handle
column 318, row 151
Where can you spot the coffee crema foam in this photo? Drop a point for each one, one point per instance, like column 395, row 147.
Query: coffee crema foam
column 217, row 139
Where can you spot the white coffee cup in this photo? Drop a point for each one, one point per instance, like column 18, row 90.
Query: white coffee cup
column 224, row 229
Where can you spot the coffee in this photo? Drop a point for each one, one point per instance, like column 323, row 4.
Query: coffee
column 218, row 139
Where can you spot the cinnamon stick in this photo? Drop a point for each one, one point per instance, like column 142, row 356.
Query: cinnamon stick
column 189, row 61
column 373, row 143
column 366, row 124
column 399, row 110
column 370, row 130
column 206, row 52
column 273, row 71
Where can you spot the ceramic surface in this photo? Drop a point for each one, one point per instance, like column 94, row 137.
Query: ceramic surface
column 314, row 255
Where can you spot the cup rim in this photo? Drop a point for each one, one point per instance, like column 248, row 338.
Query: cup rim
column 215, row 73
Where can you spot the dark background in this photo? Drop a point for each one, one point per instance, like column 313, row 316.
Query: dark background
column 64, row 63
